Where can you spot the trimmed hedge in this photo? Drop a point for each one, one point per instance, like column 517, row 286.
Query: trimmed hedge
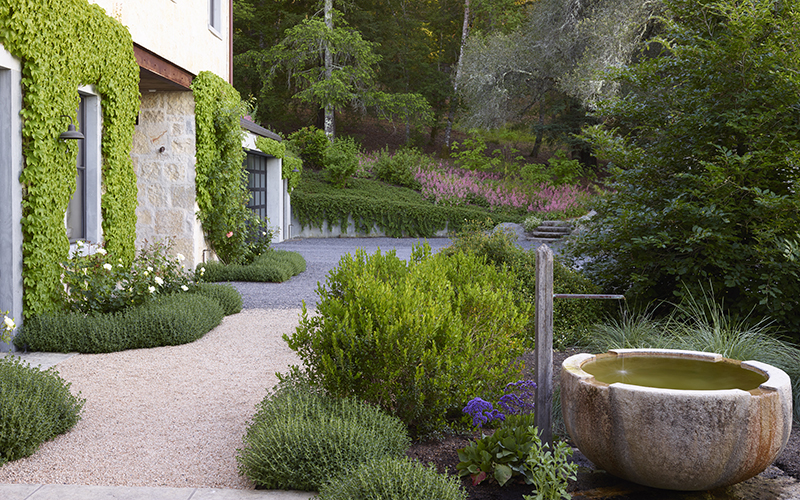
column 274, row 266
column 169, row 320
column 300, row 438
column 393, row 478
column 35, row 406
column 228, row 297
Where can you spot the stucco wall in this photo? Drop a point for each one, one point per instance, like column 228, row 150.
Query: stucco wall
column 166, row 179
column 177, row 30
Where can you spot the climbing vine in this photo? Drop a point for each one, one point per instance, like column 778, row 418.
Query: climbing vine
column 291, row 165
column 220, row 175
column 64, row 44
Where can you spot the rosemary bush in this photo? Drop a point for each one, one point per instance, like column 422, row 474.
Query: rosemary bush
column 274, row 266
column 35, row 406
column 393, row 478
column 300, row 438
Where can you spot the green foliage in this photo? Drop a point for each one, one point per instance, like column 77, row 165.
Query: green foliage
column 706, row 154
column 416, row 338
column 301, row 438
column 226, row 295
column 565, row 171
column 471, row 155
column 550, row 471
column 222, row 195
column 62, row 45
column 95, row 282
column 500, row 455
column 310, row 143
column 393, row 478
column 572, row 319
column 169, row 320
column 341, row 160
column 275, row 266
column 291, row 165
column 399, row 168
column 531, row 223
column 372, row 203
column 35, row 405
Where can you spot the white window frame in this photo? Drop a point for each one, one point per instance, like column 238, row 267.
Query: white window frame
column 215, row 17
column 93, row 133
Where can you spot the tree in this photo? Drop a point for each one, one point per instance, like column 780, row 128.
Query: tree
column 705, row 144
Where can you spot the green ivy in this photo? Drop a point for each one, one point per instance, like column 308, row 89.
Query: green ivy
column 220, row 180
column 292, row 166
column 64, row 44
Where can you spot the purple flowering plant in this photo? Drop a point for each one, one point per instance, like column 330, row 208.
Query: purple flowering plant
column 517, row 401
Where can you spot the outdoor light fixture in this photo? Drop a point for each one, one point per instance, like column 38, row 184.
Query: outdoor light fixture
column 71, row 133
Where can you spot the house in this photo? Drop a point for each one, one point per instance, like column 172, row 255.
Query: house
column 135, row 167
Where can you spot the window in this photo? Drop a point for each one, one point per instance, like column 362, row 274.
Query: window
column 256, row 165
column 82, row 219
column 215, row 16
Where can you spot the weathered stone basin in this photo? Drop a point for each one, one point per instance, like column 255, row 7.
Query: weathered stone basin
column 705, row 422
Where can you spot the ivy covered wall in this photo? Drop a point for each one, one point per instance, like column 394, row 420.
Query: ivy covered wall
column 64, row 44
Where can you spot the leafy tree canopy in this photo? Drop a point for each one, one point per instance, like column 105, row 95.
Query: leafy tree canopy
column 705, row 145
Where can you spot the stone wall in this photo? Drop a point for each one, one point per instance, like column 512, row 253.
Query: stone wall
column 164, row 160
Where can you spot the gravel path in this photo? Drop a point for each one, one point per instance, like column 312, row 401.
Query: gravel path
column 174, row 416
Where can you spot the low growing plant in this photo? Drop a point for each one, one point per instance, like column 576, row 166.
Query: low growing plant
column 35, row 406
column 301, row 438
column 550, row 471
column 415, row 338
column 274, row 266
column 393, row 478
column 532, row 222
column 168, row 320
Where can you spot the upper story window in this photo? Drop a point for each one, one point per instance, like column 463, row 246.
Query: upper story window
column 215, row 16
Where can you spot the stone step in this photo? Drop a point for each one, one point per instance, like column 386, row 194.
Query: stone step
column 554, row 229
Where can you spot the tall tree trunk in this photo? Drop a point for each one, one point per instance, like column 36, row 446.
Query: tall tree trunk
column 330, row 126
column 454, row 98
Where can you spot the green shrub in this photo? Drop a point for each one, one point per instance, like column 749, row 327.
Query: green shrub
column 309, row 143
column 572, row 318
column 35, row 406
column 226, row 295
column 274, row 266
column 531, row 223
column 550, row 470
column 416, row 338
column 168, row 320
column 399, row 168
column 300, row 438
column 393, row 479
column 341, row 161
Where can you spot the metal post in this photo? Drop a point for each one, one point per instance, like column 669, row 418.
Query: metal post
column 543, row 413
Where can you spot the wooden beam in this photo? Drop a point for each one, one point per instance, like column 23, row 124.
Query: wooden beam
column 163, row 68
column 543, row 350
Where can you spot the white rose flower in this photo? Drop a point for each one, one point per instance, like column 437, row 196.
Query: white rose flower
column 146, row 273
column 181, row 257
column 184, row 288
column 159, row 281
column 150, row 269
column 152, row 289
column 107, row 267
column 9, row 323
column 102, row 251
column 202, row 271
column 79, row 244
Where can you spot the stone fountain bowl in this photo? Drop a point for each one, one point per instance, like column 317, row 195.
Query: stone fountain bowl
column 676, row 438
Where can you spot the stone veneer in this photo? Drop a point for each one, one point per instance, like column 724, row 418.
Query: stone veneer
column 166, row 178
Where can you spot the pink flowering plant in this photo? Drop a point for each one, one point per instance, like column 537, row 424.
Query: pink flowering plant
column 94, row 282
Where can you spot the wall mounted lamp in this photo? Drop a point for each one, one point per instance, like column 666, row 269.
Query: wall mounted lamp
column 71, row 133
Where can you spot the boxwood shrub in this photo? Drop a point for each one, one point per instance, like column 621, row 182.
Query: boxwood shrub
column 168, row 320
column 274, row 266
column 35, row 406
column 417, row 338
column 300, row 438
column 393, row 478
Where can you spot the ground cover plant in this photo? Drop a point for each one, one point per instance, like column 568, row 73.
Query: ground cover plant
column 453, row 315
column 35, row 406
column 302, row 438
column 274, row 266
